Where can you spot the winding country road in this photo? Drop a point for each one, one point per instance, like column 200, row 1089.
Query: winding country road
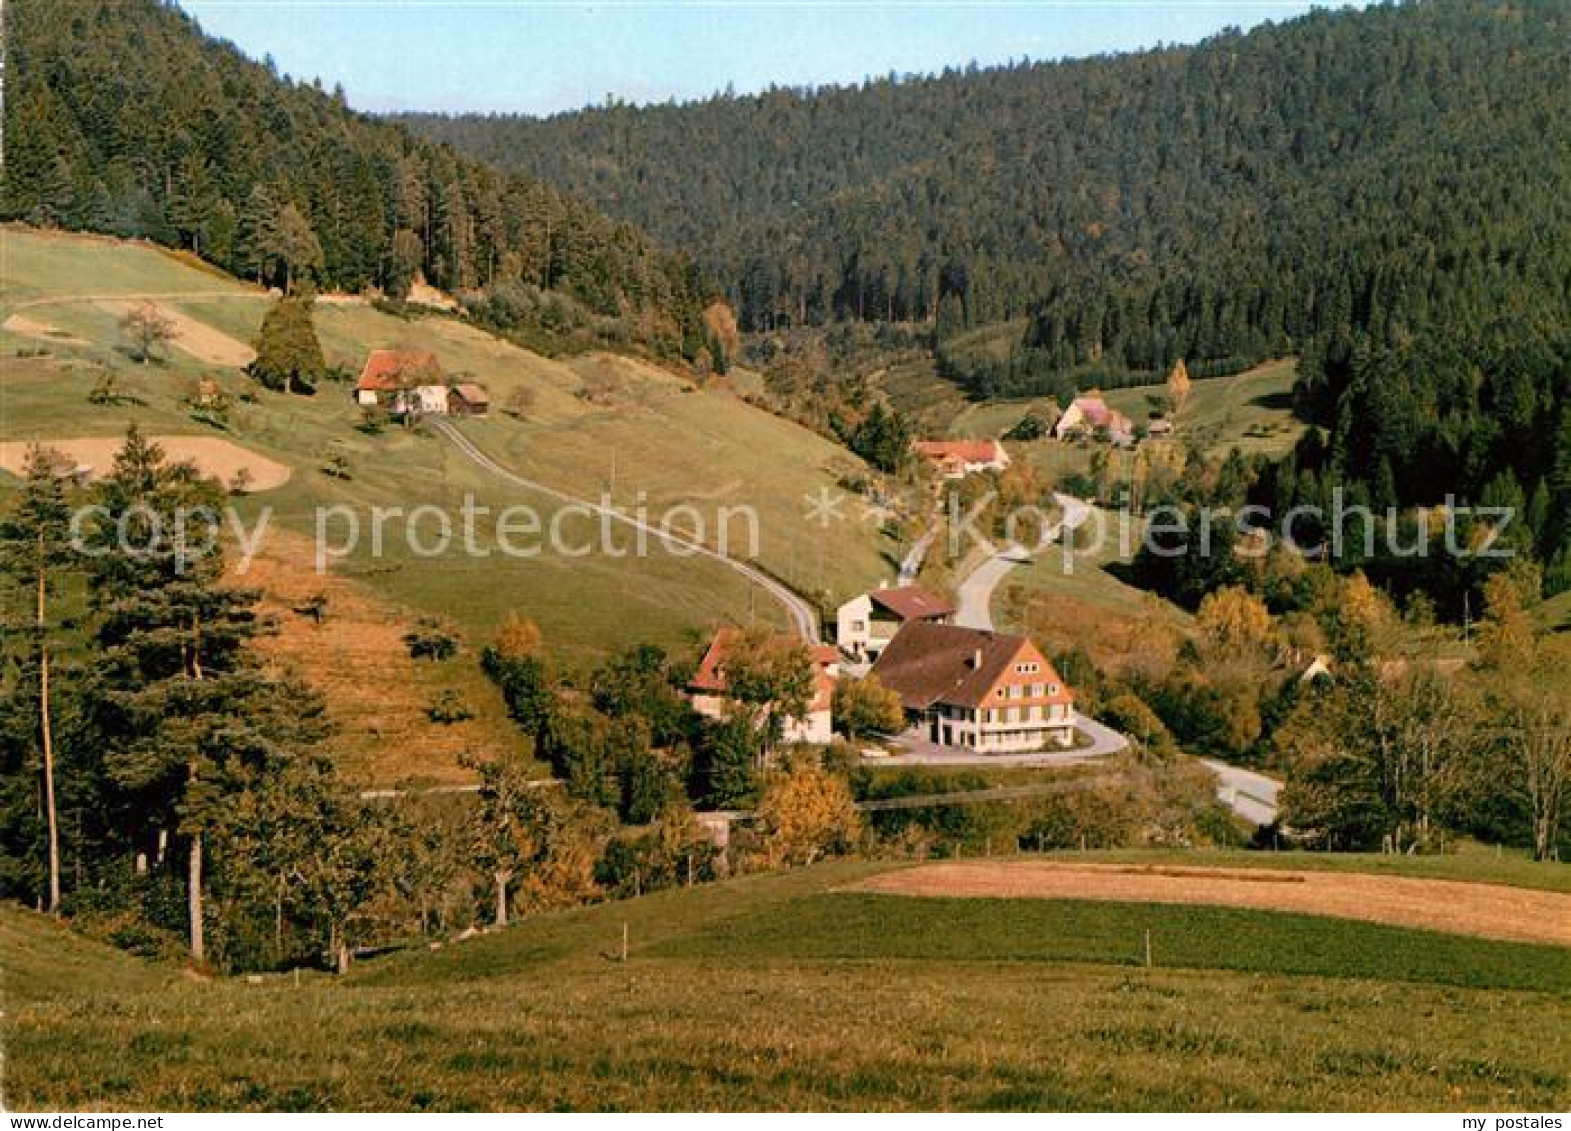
column 1252, row 796
column 975, row 594
column 804, row 618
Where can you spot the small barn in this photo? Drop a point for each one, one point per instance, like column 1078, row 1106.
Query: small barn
column 468, row 399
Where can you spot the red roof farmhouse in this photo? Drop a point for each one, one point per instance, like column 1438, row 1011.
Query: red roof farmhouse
column 958, row 458
column 406, row 381
column 387, row 371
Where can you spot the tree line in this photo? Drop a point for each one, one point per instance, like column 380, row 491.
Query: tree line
column 122, row 117
column 1400, row 164
column 168, row 790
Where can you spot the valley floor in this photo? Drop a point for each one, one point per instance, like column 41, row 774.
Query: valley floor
column 785, row 991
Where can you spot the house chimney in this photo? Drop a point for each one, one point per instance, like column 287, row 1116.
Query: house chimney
column 976, row 659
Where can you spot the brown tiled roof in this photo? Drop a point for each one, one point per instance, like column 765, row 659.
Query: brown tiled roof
column 929, row 663
column 912, row 602
column 473, row 394
column 387, row 370
column 966, row 451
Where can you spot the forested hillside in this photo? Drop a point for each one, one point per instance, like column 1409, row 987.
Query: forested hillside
column 1386, row 193
column 122, row 117
column 1404, row 164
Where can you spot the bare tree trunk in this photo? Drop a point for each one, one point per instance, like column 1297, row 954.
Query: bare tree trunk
column 501, row 897
column 194, row 896
column 47, row 732
column 194, row 881
column 278, row 921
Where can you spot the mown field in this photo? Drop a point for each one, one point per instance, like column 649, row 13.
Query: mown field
column 783, row 991
column 653, row 438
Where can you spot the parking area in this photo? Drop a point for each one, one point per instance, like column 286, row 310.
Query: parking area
column 913, row 748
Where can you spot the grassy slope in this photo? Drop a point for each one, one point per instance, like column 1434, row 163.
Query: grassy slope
column 1077, row 602
column 1555, row 613
column 1251, row 411
column 775, row 992
column 671, row 441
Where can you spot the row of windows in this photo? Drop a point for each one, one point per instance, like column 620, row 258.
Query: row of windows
column 1027, row 691
column 1056, row 711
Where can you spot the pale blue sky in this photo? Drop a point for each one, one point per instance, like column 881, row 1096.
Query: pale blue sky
column 546, row 56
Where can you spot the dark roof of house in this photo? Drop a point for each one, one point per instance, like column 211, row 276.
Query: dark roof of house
column 912, row 602
column 387, row 370
column 928, row 663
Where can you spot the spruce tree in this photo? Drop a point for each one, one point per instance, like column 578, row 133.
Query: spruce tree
column 189, row 715
column 288, row 354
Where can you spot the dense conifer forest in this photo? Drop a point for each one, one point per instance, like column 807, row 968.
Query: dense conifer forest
column 1401, row 165
column 122, row 117
column 1386, row 193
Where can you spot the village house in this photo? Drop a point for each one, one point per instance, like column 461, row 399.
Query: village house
column 707, row 688
column 1089, row 414
column 866, row 624
column 403, row 382
column 955, row 459
column 986, row 691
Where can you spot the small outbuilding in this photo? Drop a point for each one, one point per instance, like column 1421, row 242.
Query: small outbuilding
column 468, row 399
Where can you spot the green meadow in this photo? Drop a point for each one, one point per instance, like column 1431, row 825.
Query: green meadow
column 650, row 438
column 784, row 991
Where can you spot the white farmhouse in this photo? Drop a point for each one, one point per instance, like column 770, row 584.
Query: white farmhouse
column 866, row 624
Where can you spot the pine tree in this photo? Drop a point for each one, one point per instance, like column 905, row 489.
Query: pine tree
column 191, row 717
column 256, row 234
column 36, row 552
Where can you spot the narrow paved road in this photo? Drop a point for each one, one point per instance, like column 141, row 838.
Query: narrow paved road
column 976, row 591
column 918, row 750
column 1252, row 796
column 804, row 618
column 911, row 564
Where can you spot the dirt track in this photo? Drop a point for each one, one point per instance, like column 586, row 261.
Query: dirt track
column 213, row 455
column 1488, row 910
column 196, row 338
column 33, row 328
